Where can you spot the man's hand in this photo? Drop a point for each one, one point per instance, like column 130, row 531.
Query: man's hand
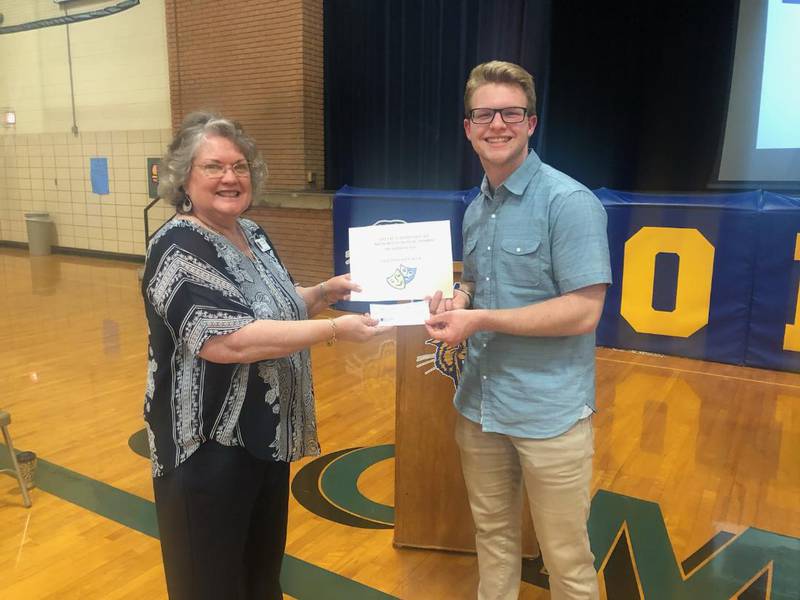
column 452, row 327
column 438, row 305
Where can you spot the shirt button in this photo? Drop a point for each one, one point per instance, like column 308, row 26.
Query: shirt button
column 519, row 249
column 484, row 377
column 488, row 247
column 484, row 345
column 493, row 215
column 487, row 279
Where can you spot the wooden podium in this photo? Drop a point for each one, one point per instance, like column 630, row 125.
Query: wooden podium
column 431, row 507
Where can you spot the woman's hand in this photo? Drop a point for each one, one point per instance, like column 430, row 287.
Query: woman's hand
column 337, row 288
column 357, row 328
column 330, row 291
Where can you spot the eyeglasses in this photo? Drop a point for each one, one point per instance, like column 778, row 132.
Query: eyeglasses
column 511, row 114
column 215, row 170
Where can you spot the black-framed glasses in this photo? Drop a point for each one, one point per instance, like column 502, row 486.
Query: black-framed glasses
column 215, row 170
column 510, row 114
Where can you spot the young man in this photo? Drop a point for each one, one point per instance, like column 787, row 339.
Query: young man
column 536, row 268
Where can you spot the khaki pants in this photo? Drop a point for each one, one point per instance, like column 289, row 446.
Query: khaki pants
column 557, row 474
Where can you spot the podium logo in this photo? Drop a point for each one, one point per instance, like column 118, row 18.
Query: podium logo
column 447, row 360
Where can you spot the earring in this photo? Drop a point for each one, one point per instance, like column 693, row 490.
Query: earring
column 186, row 205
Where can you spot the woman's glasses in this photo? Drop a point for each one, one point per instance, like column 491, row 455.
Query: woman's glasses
column 215, row 170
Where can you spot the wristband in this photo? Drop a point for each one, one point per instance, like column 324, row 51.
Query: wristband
column 457, row 288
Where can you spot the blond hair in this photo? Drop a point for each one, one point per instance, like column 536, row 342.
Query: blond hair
column 498, row 71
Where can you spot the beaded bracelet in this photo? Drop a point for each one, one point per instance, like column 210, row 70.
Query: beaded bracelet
column 332, row 340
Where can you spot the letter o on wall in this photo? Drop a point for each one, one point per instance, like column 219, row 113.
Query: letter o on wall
column 693, row 294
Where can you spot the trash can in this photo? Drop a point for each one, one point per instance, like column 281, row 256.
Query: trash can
column 27, row 468
column 40, row 233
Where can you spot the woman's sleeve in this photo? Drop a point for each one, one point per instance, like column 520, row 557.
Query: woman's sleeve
column 188, row 286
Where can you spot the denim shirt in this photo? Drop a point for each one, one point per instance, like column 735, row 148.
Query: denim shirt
column 540, row 235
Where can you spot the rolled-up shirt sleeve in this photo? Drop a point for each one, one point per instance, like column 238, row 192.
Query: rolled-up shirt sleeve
column 579, row 242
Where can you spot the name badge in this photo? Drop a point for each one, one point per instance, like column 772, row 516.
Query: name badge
column 262, row 244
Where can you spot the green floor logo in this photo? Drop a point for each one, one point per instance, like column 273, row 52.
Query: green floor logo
column 328, row 487
column 633, row 553
column 754, row 559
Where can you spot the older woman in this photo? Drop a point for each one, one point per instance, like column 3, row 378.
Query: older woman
column 229, row 399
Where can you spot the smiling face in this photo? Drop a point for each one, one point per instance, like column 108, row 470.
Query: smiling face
column 218, row 200
column 502, row 147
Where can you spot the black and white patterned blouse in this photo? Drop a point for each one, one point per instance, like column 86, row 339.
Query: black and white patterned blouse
column 197, row 285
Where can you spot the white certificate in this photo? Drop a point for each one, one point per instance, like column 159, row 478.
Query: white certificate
column 406, row 313
column 401, row 261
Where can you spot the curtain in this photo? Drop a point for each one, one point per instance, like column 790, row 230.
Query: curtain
column 394, row 84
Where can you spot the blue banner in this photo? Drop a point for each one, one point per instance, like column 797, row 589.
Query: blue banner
column 682, row 267
column 714, row 276
column 774, row 339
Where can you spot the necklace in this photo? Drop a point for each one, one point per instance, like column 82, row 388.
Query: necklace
column 241, row 244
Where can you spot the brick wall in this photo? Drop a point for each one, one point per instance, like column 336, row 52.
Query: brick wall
column 259, row 62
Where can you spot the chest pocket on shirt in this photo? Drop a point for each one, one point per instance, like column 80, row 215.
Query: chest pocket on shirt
column 519, row 261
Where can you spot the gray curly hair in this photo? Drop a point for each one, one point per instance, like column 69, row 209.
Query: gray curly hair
column 177, row 163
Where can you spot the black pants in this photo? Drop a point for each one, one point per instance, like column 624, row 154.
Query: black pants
column 222, row 518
